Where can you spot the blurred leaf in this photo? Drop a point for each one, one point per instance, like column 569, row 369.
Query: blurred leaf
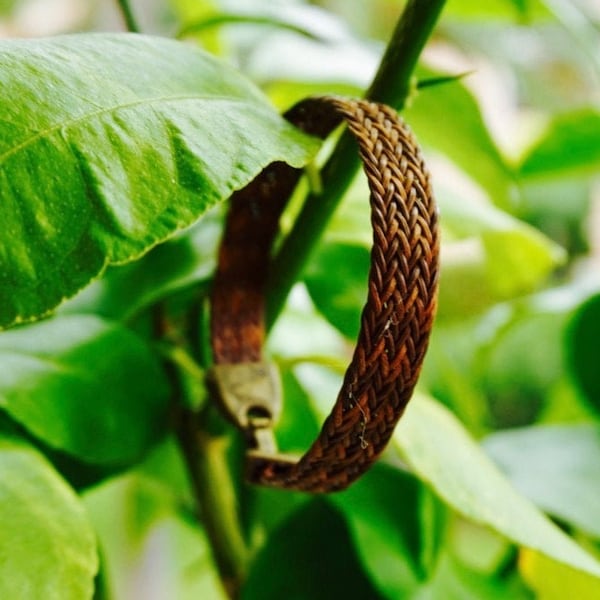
column 559, row 208
column 487, row 256
column 490, row 256
column 582, row 347
column 578, row 21
column 310, row 555
column 449, row 371
column 86, row 386
column 47, row 547
column 454, row 581
column 150, row 550
column 557, row 467
column 309, row 21
column 396, row 528
column 287, row 57
column 99, row 165
column 442, row 453
column 289, row 339
column 337, row 282
column 505, row 10
column 571, row 146
column 522, row 363
column 448, row 119
column 552, row 580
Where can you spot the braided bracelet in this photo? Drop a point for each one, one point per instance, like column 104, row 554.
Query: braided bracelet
column 396, row 320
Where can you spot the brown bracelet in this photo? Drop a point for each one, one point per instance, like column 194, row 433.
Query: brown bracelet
column 395, row 323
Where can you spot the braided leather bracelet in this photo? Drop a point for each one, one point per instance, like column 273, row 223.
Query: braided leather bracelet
column 395, row 323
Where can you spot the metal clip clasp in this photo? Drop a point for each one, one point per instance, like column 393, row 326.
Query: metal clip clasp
column 250, row 395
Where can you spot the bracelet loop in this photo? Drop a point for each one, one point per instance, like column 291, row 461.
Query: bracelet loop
column 395, row 323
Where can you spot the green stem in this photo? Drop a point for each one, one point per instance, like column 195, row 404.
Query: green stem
column 391, row 85
column 205, row 450
column 128, row 17
column 205, row 445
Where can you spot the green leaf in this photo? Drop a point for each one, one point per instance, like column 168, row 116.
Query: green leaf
column 109, row 144
column 337, row 282
column 448, row 119
column 551, row 580
column 557, row 467
column 515, row 379
column 142, row 521
column 396, row 528
column 86, row 386
column 571, row 146
column 455, row 581
column 309, row 556
column 47, row 547
column 489, row 256
column 582, row 345
column 501, row 10
column 443, row 454
column 179, row 263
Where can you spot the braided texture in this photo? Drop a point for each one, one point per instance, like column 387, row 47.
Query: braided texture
column 400, row 307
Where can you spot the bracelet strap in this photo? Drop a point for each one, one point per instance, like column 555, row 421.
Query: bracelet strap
column 396, row 320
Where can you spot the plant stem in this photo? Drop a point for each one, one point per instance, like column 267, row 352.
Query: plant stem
column 391, row 85
column 204, row 447
column 205, row 451
column 128, row 16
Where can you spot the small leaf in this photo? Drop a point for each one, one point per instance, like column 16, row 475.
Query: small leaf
column 442, row 453
column 86, row 386
column 47, row 546
column 109, row 144
column 557, row 467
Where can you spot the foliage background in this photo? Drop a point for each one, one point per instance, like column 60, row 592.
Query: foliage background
column 514, row 147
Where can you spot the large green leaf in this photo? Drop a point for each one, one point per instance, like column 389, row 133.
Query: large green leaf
column 557, row 467
column 108, row 145
column 441, row 452
column 84, row 385
column 181, row 262
column 47, row 546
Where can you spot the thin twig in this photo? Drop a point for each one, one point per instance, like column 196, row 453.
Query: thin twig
column 128, row 17
column 205, row 454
